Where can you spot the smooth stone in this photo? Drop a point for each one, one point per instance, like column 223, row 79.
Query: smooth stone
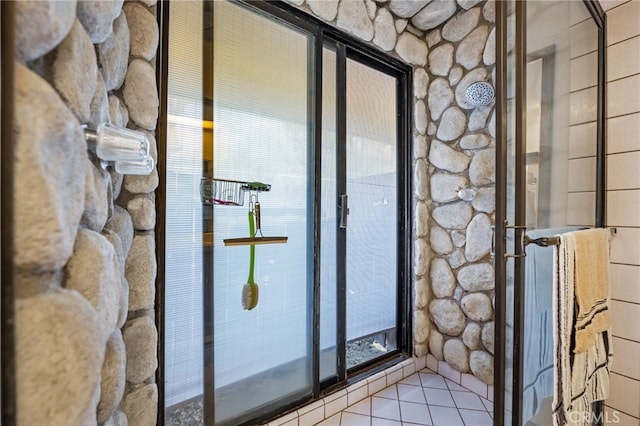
column 456, row 260
column 478, row 119
column 479, row 238
column 140, row 184
column 143, row 212
column 489, row 11
column 411, row 49
column 485, row 200
column 455, row 75
column 420, row 326
column 453, row 216
column 98, row 198
column 421, row 293
column 477, row 277
column 447, row 316
column 434, row 14
column 421, row 180
column 113, row 54
column 488, row 333
column 436, row 344
column 422, row 219
column 112, row 375
column 354, row 18
column 372, row 8
column 422, row 256
column 407, row 8
column 432, row 128
column 140, row 94
column 420, row 117
column 96, row 16
column 324, row 9
column 452, row 124
column 445, row 186
column 481, row 364
column 400, row 24
column 433, row 38
column 446, row 158
column 99, row 106
column 468, row 4
column 439, row 97
column 140, row 338
column 140, row 272
column 440, row 240
column 458, row 238
column 478, row 74
column 420, row 147
column 441, row 60
column 141, row 405
column 385, row 32
column 122, row 226
column 143, row 30
column 420, row 82
column 470, row 50
column 489, row 53
column 482, row 170
column 474, row 141
column 443, row 283
column 461, row 25
column 118, row 115
column 456, row 355
column 477, row 306
column 43, row 25
column 471, row 336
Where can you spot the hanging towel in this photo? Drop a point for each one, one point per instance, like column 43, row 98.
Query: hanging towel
column 591, row 286
column 579, row 378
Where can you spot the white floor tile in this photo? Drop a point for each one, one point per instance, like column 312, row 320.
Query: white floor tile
column 385, row 408
column 445, row 416
column 415, row 413
column 467, row 400
column 413, row 379
column 430, row 380
column 390, row 392
column 375, row 421
column 476, row 418
column 362, row 407
column 411, row 394
column 455, row 387
column 488, row 404
column 331, row 421
column 441, row 397
column 350, row 419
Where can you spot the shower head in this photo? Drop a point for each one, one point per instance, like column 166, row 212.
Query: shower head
column 480, row 93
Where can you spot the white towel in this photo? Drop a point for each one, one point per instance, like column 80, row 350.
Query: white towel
column 579, row 378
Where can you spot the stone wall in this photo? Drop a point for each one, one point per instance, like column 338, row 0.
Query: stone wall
column 450, row 45
column 85, row 253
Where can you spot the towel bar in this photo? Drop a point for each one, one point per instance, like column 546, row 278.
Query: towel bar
column 552, row 241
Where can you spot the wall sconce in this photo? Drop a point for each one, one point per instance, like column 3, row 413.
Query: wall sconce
column 127, row 150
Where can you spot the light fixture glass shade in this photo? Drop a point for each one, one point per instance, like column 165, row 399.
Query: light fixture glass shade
column 135, row 167
column 117, row 144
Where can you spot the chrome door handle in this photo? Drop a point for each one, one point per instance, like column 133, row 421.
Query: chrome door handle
column 523, row 230
column 344, row 210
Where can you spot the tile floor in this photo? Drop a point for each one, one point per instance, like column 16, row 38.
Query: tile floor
column 423, row 398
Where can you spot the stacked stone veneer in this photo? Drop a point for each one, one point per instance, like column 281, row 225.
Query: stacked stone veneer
column 450, row 45
column 85, row 251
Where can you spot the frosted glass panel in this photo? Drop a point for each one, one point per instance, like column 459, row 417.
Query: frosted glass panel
column 371, row 186
column 260, row 86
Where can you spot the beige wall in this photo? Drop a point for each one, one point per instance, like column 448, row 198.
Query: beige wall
column 623, row 203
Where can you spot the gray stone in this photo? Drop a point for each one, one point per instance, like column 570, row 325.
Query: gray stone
column 93, row 271
column 433, row 38
column 457, row 295
column 116, row 109
column 123, row 303
column 478, row 74
column 456, row 355
column 121, row 224
column 453, row 216
column 441, row 59
column 421, row 293
column 421, row 180
column 324, row 9
column 478, row 119
column 489, row 54
column 113, row 54
column 455, row 75
column 73, row 71
column 469, row 52
column 401, row 24
column 143, row 212
column 118, row 419
column 407, row 8
column 420, row 83
column 443, row 282
column 42, row 26
column 143, row 29
column 468, row 4
column 489, row 11
column 421, row 257
column 432, row 129
column 112, row 380
column 488, row 333
column 46, row 133
column 116, row 182
column 436, row 344
column 456, row 259
column 420, row 117
column 436, row 12
column 420, row 147
column 439, row 97
column 485, row 200
column 422, row 219
column 458, row 238
column 354, row 18
column 477, row 306
column 60, row 348
column 385, row 32
column 477, row 277
column 471, row 336
column 99, row 107
column 98, row 198
column 474, row 141
column 140, row 338
column 141, row 405
column 140, row 271
column 412, row 49
column 420, row 326
column 452, row 125
column 372, row 9
column 296, row 2
column 447, row 316
column 491, row 125
column 444, row 187
column 482, row 170
column 481, row 364
column 141, row 95
column 440, row 240
column 460, row 25
column 447, row 158
column 479, row 237
column 96, row 16
column 137, row 184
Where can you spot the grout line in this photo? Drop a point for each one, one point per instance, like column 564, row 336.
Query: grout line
column 626, row 301
column 620, row 411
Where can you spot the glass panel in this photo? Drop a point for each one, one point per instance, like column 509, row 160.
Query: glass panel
column 328, row 224
column 561, row 109
column 261, row 133
column 372, row 231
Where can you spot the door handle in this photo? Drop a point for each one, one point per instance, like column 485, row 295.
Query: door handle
column 344, row 210
column 523, row 230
